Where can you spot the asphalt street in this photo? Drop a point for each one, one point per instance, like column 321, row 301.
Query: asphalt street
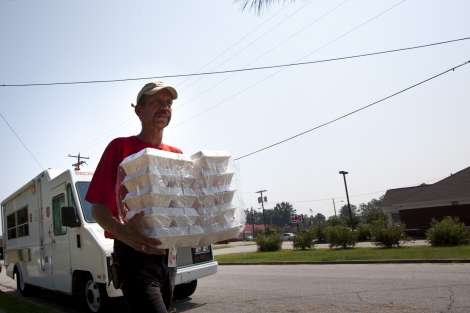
column 322, row 288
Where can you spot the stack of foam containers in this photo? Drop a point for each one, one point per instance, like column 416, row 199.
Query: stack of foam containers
column 215, row 202
column 186, row 201
column 160, row 184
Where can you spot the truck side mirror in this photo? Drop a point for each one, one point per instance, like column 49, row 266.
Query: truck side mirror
column 70, row 217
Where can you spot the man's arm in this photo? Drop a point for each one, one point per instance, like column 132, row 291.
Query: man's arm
column 128, row 233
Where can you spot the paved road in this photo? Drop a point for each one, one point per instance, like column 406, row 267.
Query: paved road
column 384, row 288
column 234, row 248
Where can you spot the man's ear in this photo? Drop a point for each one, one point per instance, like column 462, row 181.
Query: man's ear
column 138, row 110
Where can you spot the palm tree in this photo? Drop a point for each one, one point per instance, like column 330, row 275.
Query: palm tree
column 259, row 5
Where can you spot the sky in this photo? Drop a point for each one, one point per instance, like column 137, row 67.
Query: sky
column 420, row 136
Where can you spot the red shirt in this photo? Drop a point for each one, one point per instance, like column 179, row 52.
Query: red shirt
column 102, row 189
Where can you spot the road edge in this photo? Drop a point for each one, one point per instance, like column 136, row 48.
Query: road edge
column 437, row 261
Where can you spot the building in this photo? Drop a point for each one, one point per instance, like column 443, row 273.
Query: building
column 248, row 230
column 416, row 207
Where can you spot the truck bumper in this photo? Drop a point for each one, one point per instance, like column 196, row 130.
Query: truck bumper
column 183, row 275
column 195, row 271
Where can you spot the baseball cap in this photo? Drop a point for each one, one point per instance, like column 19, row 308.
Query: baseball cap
column 154, row 87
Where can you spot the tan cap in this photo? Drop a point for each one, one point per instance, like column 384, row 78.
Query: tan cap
column 154, row 87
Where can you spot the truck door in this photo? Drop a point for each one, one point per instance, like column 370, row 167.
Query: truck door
column 61, row 266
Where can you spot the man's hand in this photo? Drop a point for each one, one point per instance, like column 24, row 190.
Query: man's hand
column 128, row 233
column 131, row 235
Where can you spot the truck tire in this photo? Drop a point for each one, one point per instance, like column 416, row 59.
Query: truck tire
column 91, row 295
column 183, row 291
column 24, row 289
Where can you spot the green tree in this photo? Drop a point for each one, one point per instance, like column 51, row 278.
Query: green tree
column 334, row 221
column 344, row 215
column 319, row 219
column 371, row 212
column 281, row 213
column 259, row 5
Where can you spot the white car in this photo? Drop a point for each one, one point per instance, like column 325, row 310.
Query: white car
column 287, row 236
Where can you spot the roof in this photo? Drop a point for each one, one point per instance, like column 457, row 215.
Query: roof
column 400, row 195
column 455, row 186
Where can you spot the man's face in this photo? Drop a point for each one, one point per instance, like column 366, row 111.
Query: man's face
column 155, row 111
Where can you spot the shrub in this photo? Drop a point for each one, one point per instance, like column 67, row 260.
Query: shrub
column 318, row 233
column 340, row 236
column 364, row 232
column 303, row 240
column 448, row 232
column 388, row 236
column 269, row 241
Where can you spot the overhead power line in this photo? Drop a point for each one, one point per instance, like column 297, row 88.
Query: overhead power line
column 240, row 69
column 249, row 33
column 271, row 75
column 22, row 142
column 286, row 17
column 228, row 77
column 352, row 112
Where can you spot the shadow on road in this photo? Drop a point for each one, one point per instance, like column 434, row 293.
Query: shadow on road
column 186, row 305
column 67, row 304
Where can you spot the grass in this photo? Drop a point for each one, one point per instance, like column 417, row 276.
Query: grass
column 356, row 254
column 228, row 245
column 10, row 304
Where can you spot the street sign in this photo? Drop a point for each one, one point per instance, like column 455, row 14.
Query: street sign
column 294, row 219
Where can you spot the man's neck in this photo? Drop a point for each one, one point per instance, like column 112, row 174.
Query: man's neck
column 153, row 137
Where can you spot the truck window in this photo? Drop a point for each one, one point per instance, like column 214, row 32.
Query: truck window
column 17, row 224
column 82, row 188
column 57, row 203
column 70, row 198
column 11, row 225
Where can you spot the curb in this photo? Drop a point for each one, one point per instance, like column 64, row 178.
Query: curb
column 418, row 261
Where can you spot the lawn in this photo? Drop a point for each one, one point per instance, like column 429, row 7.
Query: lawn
column 356, row 254
column 228, row 245
column 11, row 304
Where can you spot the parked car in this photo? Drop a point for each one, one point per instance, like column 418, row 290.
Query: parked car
column 287, row 236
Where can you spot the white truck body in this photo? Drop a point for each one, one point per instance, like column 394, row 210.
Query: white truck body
column 49, row 255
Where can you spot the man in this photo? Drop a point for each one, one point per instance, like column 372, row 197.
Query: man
column 147, row 277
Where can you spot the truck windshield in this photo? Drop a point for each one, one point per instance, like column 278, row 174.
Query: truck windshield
column 82, row 188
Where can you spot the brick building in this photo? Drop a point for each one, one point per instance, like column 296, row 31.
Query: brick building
column 415, row 207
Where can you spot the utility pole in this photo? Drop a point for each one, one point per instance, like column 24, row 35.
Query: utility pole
column 334, row 206
column 344, row 173
column 261, row 200
column 253, row 222
column 79, row 162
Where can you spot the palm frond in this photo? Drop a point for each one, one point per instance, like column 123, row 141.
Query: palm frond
column 258, row 5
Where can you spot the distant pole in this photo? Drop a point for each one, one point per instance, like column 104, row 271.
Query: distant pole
column 344, row 173
column 261, row 200
column 79, row 160
column 253, row 222
column 334, row 205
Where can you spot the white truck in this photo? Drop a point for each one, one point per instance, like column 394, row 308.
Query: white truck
column 52, row 241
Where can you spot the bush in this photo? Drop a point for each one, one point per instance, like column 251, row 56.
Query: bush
column 448, row 232
column 388, row 236
column 269, row 241
column 364, row 232
column 303, row 240
column 318, row 233
column 340, row 236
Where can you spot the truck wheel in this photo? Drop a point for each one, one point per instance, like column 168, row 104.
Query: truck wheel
column 23, row 288
column 183, row 291
column 92, row 295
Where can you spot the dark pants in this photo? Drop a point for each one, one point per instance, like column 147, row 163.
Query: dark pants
column 147, row 281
